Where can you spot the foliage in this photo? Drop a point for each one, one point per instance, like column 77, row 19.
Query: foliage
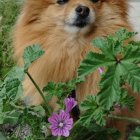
column 94, row 111
column 120, row 63
column 8, row 12
column 31, row 54
column 135, row 134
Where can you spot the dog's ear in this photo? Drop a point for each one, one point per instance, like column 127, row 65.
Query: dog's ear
column 32, row 9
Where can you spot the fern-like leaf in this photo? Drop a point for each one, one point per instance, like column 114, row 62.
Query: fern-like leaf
column 110, row 88
column 92, row 62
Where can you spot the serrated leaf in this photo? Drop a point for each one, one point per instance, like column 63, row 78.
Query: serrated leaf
column 61, row 89
column 135, row 134
column 111, row 46
column 89, row 103
column 92, row 62
column 132, row 76
column 54, row 89
column 110, row 88
column 39, row 110
column 131, row 54
column 13, row 89
column 93, row 112
column 15, row 73
column 107, row 46
column 12, row 85
column 114, row 45
column 31, row 53
column 123, row 34
column 127, row 100
column 100, row 43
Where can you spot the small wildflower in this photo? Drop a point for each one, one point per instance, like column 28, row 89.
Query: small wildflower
column 61, row 124
column 100, row 70
column 70, row 103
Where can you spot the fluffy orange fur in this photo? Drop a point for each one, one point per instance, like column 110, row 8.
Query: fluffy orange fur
column 40, row 22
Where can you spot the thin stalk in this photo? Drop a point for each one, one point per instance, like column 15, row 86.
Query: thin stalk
column 40, row 92
column 58, row 138
column 134, row 120
column 76, row 123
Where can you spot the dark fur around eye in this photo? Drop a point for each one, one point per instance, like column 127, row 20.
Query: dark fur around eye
column 61, row 2
column 94, row 1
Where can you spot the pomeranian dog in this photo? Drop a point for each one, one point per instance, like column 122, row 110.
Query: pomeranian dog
column 64, row 30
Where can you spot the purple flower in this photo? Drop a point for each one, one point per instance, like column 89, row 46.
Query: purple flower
column 61, row 124
column 100, row 70
column 70, row 103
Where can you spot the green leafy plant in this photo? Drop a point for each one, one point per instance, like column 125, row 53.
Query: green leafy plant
column 118, row 59
column 8, row 13
column 135, row 134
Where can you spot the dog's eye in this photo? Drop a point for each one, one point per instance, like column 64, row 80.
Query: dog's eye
column 94, row 1
column 62, row 1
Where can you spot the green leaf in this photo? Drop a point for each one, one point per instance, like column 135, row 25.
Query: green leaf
column 16, row 73
column 89, row 103
column 12, row 85
column 127, row 100
column 61, row 89
column 106, row 45
column 13, row 89
column 111, row 46
column 135, row 134
column 39, row 110
column 132, row 76
column 114, row 46
column 11, row 117
column 100, row 43
column 110, row 87
column 93, row 112
column 92, row 62
column 131, row 54
column 54, row 89
column 2, row 137
column 31, row 53
column 123, row 34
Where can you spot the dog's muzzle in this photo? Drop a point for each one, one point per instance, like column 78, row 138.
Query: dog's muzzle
column 82, row 16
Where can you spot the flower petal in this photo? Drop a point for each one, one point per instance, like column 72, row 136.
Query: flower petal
column 53, row 118
column 60, row 132
column 69, row 124
column 100, row 70
column 70, row 103
column 55, row 121
column 54, row 132
column 63, row 115
column 65, row 133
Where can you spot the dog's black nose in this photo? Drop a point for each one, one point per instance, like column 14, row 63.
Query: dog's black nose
column 82, row 11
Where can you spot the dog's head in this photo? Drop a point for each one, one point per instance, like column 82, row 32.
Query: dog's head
column 74, row 15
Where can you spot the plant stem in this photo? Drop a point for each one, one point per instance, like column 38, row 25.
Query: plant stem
column 58, row 138
column 134, row 120
column 40, row 92
column 75, row 124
